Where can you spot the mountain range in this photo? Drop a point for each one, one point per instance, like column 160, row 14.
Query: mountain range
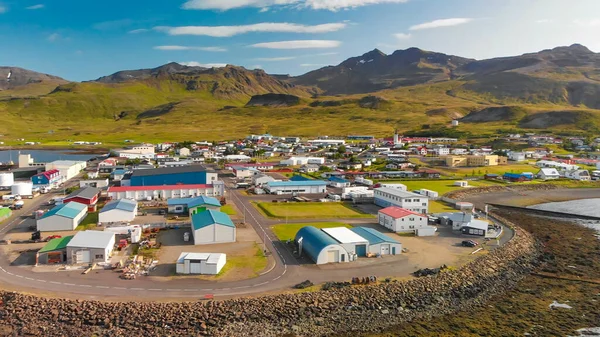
column 376, row 87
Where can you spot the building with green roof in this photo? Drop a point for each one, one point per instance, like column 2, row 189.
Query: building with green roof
column 55, row 251
column 65, row 217
column 212, row 226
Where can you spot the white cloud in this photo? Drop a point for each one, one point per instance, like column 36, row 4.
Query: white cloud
column 39, row 6
column 312, row 65
column 299, row 44
column 543, row 21
column 587, row 23
column 331, row 5
column 264, row 10
column 274, row 59
column 402, row 36
column 211, row 49
column 441, row 23
column 228, row 31
column 204, row 65
column 3, row 9
column 137, row 31
column 53, row 37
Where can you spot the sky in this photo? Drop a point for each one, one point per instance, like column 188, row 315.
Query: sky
column 82, row 40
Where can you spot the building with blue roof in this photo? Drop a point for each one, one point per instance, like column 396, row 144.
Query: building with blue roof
column 64, row 217
column 212, row 226
column 319, row 246
column 517, row 177
column 298, row 177
column 193, row 205
column 122, row 210
column 338, row 182
column 300, row 187
column 379, row 243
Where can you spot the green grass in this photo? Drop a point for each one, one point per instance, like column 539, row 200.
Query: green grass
column 286, row 232
column 228, row 209
column 436, row 206
column 308, row 210
column 90, row 222
column 257, row 262
column 500, row 169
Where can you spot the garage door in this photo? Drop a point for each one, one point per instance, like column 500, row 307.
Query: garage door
column 195, row 268
column 333, row 256
column 385, row 249
column 361, row 250
column 83, row 256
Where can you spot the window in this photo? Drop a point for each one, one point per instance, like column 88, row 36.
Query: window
column 99, row 256
column 424, row 204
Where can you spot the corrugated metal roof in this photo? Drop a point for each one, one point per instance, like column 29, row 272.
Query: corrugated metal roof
column 56, row 244
column 344, row 235
column 314, row 241
column 400, row 193
column 210, row 217
column 69, row 210
column 91, row 239
column 372, row 235
column 298, row 178
column 194, row 202
column 84, row 193
column 296, row 183
column 157, row 188
column 121, row 204
column 169, row 170
column 338, row 179
column 398, row 212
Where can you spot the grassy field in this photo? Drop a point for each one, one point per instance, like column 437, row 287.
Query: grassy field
column 255, row 263
column 500, row 169
column 308, row 210
column 90, row 222
column 228, row 209
column 436, row 206
column 440, row 186
column 286, row 232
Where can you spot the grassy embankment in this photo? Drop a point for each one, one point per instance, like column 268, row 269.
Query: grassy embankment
column 309, row 210
column 286, row 232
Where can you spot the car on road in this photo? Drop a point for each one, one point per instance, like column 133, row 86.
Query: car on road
column 469, row 243
column 161, row 212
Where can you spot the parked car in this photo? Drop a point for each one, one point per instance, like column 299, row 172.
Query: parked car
column 469, row 243
column 161, row 212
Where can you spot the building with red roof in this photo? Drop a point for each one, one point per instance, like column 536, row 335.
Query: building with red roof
column 401, row 220
column 164, row 192
column 50, row 178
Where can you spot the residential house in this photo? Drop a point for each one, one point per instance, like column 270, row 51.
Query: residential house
column 548, row 173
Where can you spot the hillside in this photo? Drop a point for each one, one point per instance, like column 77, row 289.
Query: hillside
column 18, row 82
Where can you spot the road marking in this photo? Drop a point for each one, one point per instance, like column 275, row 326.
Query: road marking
column 277, row 278
column 9, row 273
column 261, row 284
column 138, row 289
column 190, row 290
column 69, row 284
column 20, row 276
column 120, row 288
column 29, row 278
column 41, row 280
column 85, row 285
column 102, row 287
column 155, row 289
column 171, row 289
column 54, row 282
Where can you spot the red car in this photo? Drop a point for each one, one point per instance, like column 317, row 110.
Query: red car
column 53, row 237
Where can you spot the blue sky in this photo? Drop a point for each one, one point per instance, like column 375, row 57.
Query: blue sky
column 82, row 40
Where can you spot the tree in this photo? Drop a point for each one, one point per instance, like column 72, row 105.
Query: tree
column 341, row 149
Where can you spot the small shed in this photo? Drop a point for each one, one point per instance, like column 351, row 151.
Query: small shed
column 90, row 247
column 55, row 251
column 319, row 247
column 461, row 183
column 64, row 217
column 122, row 210
column 379, row 243
column 353, row 243
column 200, row 263
column 211, row 226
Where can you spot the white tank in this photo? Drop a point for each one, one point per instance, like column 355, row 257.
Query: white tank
column 22, row 189
column 7, row 179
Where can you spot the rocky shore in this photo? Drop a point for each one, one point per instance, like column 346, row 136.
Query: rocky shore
column 358, row 308
column 465, row 192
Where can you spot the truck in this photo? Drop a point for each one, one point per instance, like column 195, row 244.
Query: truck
column 18, row 204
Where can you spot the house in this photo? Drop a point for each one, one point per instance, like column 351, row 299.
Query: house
column 319, row 247
column 137, row 152
column 548, row 173
column 581, row 175
column 557, row 165
column 163, row 192
column 87, row 196
column 401, row 220
column 261, row 179
column 441, row 151
column 200, row 263
column 68, row 169
column 90, row 247
column 379, row 243
column 244, row 172
column 289, row 187
column 184, row 175
column 118, row 174
column 212, row 226
column 353, row 243
column 98, row 183
column 517, row 177
column 475, row 160
column 516, row 156
column 184, row 152
column 338, row 182
column 385, row 197
column 309, row 168
column 193, row 205
column 55, row 251
column 123, row 210
column 350, row 165
column 64, row 217
column 49, row 178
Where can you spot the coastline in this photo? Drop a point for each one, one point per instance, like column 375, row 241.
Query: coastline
column 65, row 149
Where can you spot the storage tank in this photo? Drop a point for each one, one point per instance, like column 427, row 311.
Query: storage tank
column 7, row 179
column 22, row 189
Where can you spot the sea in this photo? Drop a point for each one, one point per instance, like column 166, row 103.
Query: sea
column 590, row 207
column 44, row 156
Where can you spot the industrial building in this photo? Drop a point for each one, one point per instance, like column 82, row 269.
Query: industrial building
column 183, row 175
column 137, row 152
column 210, row 227
column 475, row 161
column 297, row 161
column 22, row 189
column 385, row 197
column 353, row 243
column 289, row 187
column 7, row 179
column 122, row 210
column 319, row 247
column 97, row 183
column 87, row 196
column 65, row 217
column 46, row 179
column 465, row 223
column 55, row 251
column 132, row 233
column 338, row 182
column 193, row 205
column 244, row 172
column 379, row 243
column 200, row 263
column 90, row 247
column 401, row 220
column 162, row 192
column 68, row 169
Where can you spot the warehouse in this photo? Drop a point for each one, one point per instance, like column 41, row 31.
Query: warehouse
column 122, row 210
column 338, row 182
column 55, row 251
column 183, row 175
column 200, row 263
column 46, row 179
column 353, row 243
column 401, row 220
column 68, row 169
column 475, row 227
column 165, row 191
column 65, row 217
column 244, row 172
column 212, row 227
column 385, row 197
column 87, row 196
column 379, row 243
column 193, row 205
column 319, row 247
column 289, row 187
column 90, row 247
column 98, row 183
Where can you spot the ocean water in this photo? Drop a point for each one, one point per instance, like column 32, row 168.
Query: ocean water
column 590, row 207
column 43, row 156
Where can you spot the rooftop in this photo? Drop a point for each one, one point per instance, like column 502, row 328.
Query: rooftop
column 193, row 202
column 398, row 212
column 296, row 183
column 372, row 235
column 210, row 217
column 477, row 224
column 92, row 239
column 343, row 235
column 84, row 193
column 158, row 187
column 66, row 162
column 399, row 193
column 121, row 204
column 56, row 244
column 169, row 170
column 211, row 258
column 69, row 210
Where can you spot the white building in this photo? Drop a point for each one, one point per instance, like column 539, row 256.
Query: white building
column 261, row 179
column 212, row 226
column 428, row 193
column 90, row 247
column 122, row 210
column 184, row 152
column 379, row 243
column 401, row 220
column 353, row 243
column 400, row 187
column 134, row 232
column 200, row 263
column 298, row 161
column 163, row 192
column 289, row 187
column 441, row 151
column 319, row 246
column 237, row 158
column 64, row 217
column 557, row 165
column 516, row 156
column 137, row 152
column 327, row 142
column 97, row 183
column 548, row 173
column 385, row 197
column 68, row 169
column 581, row 175
column 244, row 172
